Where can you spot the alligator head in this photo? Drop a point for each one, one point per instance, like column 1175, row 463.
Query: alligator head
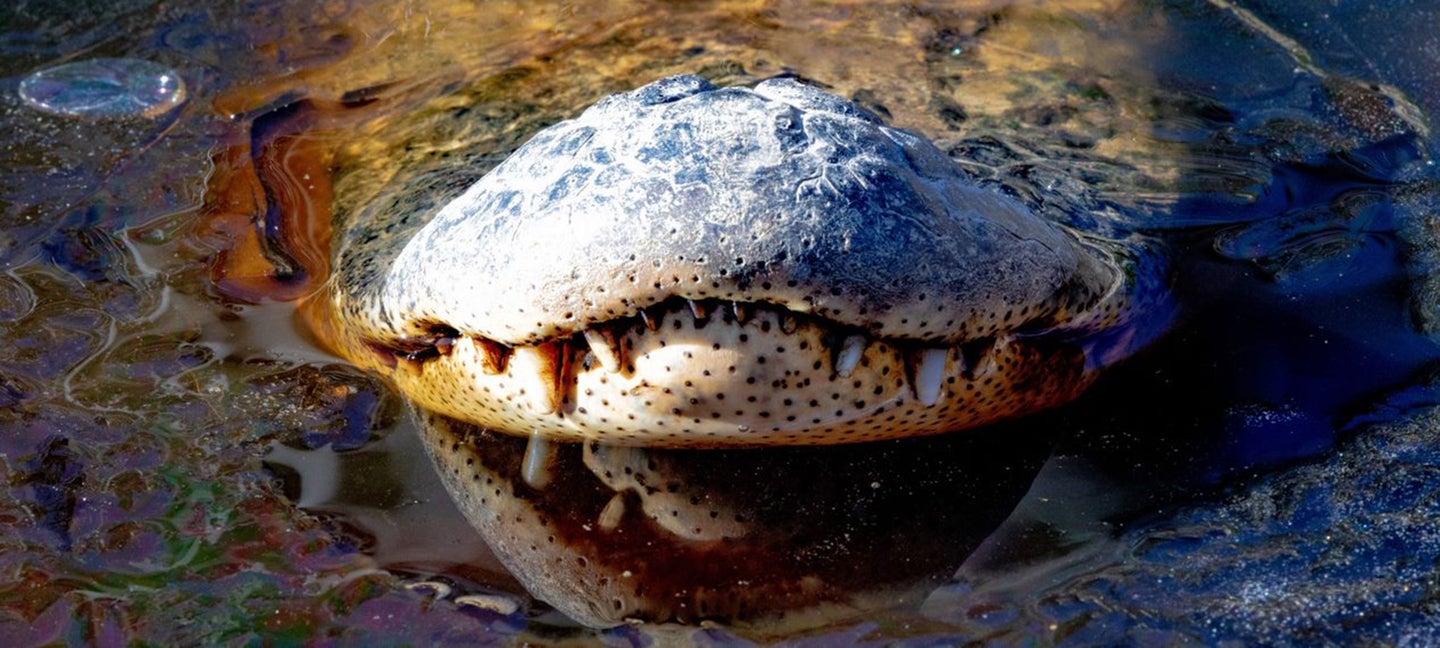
column 692, row 266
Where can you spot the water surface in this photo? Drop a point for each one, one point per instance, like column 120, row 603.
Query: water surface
column 185, row 464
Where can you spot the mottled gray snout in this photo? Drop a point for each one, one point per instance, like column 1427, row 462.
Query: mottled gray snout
column 783, row 195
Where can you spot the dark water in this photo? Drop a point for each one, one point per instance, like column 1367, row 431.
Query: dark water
column 184, row 465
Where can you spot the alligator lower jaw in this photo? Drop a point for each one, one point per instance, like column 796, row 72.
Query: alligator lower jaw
column 693, row 375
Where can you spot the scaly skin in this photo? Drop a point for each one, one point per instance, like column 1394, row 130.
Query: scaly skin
column 691, row 266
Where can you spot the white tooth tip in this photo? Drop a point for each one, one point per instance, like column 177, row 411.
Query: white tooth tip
column 496, row 603
column 849, row 356
column 697, row 309
column 930, row 375
column 613, row 512
column 434, row 589
column 603, row 350
column 536, row 466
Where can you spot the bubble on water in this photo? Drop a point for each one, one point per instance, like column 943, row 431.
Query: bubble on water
column 105, row 88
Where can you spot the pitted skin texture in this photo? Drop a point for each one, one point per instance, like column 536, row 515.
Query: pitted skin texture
column 551, row 297
column 683, row 189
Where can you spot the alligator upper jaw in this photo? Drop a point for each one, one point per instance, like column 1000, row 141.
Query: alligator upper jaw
column 606, row 346
column 706, row 374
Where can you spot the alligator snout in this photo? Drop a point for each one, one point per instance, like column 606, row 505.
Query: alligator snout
column 686, row 265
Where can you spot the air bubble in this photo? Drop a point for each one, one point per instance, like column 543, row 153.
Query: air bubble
column 105, row 88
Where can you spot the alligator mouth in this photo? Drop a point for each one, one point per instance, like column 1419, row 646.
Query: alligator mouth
column 602, row 345
column 714, row 373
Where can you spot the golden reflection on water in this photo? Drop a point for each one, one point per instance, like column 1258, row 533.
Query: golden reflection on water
column 1047, row 74
column 942, row 68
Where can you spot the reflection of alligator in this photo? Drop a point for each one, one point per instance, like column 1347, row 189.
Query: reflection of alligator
column 693, row 535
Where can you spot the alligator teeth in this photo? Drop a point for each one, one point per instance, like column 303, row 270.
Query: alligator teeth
column 742, row 312
column 928, row 374
column 697, row 309
column 611, row 515
column 535, row 468
column 493, row 355
column 652, row 323
column 788, row 323
column 604, row 348
column 445, row 345
column 541, row 372
column 848, row 356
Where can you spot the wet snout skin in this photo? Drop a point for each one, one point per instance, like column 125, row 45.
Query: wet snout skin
column 692, row 266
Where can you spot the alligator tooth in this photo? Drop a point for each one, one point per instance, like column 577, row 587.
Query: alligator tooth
column 927, row 371
column 612, row 513
column 848, row 357
column 433, row 589
column 494, row 603
column 697, row 309
column 652, row 323
column 444, row 345
column 742, row 312
column 788, row 323
column 541, row 372
column 493, row 355
column 535, row 468
column 604, row 348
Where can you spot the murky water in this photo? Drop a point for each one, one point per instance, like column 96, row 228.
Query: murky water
column 184, row 463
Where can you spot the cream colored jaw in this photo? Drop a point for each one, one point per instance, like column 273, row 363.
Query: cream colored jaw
column 544, row 361
column 691, row 375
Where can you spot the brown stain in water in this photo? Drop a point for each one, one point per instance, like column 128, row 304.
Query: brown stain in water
column 278, row 186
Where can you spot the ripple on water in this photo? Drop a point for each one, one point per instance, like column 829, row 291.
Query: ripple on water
column 105, row 88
